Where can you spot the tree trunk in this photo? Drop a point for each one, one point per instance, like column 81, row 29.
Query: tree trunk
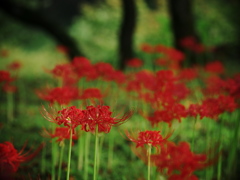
column 182, row 20
column 36, row 19
column 126, row 32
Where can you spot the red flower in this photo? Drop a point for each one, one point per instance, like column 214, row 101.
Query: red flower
column 9, row 88
column 191, row 43
column 63, row 95
column 62, row 133
column 188, row 74
column 10, row 158
column 5, row 76
column 61, row 70
column 117, row 76
column 153, row 138
column 135, row 63
column 14, row 65
column 6, row 79
column 84, row 68
column 70, row 117
column 104, row 69
column 101, row 116
column 62, row 49
column 215, row 67
column 213, row 107
column 179, row 158
column 147, row 48
column 66, row 73
column 4, row 53
column 91, row 93
column 168, row 114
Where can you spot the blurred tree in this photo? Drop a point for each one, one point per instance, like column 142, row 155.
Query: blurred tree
column 232, row 15
column 34, row 17
column 152, row 4
column 182, row 23
column 63, row 12
column 126, row 33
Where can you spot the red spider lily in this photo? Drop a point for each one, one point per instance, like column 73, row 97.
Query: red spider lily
column 153, row 138
column 215, row 86
column 170, row 53
column 4, row 53
column 193, row 110
column 10, row 158
column 147, row 48
column 135, row 63
column 9, row 88
column 70, row 117
column 5, row 77
column 165, row 77
column 117, row 76
column 62, row 49
column 61, row 95
column 14, row 66
column 84, row 68
column 91, row 93
column 104, row 69
column 234, row 86
column 101, row 117
column 168, row 114
column 191, row 43
column 62, row 70
column 147, row 79
column 66, row 73
column 61, row 133
column 134, row 85
column 141, row 80
column 188, row 74
column 179, row 158
column 213, row 107
column 215, row 67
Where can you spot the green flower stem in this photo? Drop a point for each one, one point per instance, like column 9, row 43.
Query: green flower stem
column 149, row 160
column 69, row 155
column 96, row 154
column 87, row 142
column 99, row 152
column 54, row 155
column 43, row 160
column 209, row 170
column 22, row 97
column 10, row 106
column 219, row 166
column 60, row 160
column 233, row 144
column 193, row 133
column 81, row 152
column 110, row 151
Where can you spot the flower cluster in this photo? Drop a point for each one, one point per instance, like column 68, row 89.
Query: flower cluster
column 191, row 44
column 212, row 107
column 179, row 161
column 61, row 95
column 153, row 138
column 6, row 80
column 61, row 133
column 10, row 158
column 89, row 119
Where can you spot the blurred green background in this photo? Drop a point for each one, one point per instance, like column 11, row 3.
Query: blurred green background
column 94, row 25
